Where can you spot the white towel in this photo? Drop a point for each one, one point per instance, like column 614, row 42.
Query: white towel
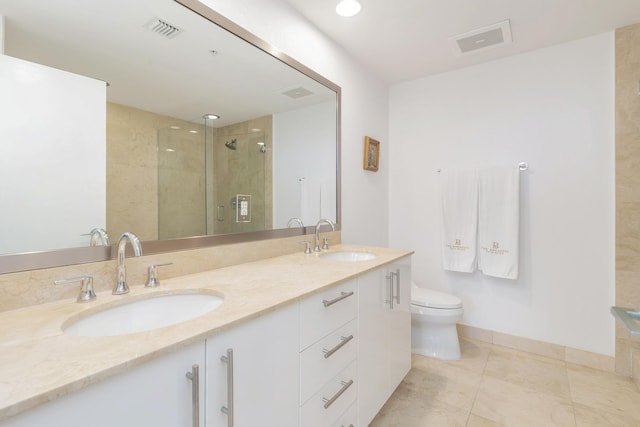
column 499, row 218
column 459, row 190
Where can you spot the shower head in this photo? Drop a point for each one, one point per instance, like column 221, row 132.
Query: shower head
column 231, row 145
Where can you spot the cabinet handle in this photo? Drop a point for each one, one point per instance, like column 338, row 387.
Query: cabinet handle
column 345, row 386
column 389, row 278
column 343, row 341
column 194, row 376
column 397, row 274
column 342, row 296
column 228, row 410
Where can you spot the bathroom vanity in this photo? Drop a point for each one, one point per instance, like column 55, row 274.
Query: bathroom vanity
column 298, row 341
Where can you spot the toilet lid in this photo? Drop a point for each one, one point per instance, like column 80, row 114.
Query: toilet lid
column 434, row 299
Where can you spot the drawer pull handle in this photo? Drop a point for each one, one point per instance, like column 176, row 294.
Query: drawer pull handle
column 194, row 376
column 343, row 341
column 345, row 386
column 342, row 296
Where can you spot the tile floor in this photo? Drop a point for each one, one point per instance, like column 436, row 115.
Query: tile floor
column 495, row 386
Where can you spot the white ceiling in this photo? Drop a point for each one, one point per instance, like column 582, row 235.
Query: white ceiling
column 407, row 39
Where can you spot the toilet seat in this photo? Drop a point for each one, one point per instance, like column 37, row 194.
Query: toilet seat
column 434, row 299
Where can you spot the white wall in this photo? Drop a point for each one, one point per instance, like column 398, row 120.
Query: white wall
column 364, row 108
column 59, row 194
column 553, row 108
column 304, row 152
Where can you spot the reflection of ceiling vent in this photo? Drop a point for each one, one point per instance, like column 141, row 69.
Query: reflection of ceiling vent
column 298, row 92
column 163, row 28
column 482, row 38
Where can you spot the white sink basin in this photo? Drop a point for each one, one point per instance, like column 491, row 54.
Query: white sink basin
column 348, row 256
column 143, row 315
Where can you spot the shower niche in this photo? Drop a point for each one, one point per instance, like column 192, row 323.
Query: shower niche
column 203, row 170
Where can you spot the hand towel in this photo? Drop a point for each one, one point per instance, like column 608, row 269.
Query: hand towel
column 499, row 221
column 459, row 195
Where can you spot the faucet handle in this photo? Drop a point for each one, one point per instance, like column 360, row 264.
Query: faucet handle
column 325, row 244
column 86, row 287
column 152, row 279
column 307, row 248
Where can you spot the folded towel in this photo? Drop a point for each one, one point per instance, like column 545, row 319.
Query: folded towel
column 499, row 214
column 459, row 190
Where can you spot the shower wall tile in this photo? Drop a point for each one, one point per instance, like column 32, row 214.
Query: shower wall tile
column 132, row 169
column 627, row 112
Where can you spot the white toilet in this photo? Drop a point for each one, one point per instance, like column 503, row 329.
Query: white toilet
column 434, row 316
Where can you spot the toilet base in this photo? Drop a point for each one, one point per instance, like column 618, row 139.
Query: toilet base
column 437, row 341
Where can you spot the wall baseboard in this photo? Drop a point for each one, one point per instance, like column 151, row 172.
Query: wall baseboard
column 554, row 351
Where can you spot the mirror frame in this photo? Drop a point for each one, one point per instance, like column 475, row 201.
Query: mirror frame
column 11, row 263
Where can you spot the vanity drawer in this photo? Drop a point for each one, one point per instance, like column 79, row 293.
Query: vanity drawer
column 323, row 313
column 349, row 418
column 331, row 401
column 326, row 358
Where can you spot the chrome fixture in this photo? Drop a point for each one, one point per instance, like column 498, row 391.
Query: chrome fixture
column 211, row 116
column 307, row 248
column 348, row 8
column 231, row 145
column 326, row 244
column 228, row 409
column 99, row 237
column 152, row 278
column 121, row 283
column 263, row 147
column 86, row 287
column 293, row 221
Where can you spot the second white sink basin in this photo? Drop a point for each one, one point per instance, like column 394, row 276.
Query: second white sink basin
column 348, row 256
column 143, row 315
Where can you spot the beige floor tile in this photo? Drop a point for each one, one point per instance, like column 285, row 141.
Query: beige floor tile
column 533, row 372
column 478, row 421
column 445, row 382
column 418, row 412
column 590, row 417
column 516, row 406
column 604, row 391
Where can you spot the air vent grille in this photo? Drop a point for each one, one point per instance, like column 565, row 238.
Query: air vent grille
column 163, row 28
column 298, row 92
column 482, row 38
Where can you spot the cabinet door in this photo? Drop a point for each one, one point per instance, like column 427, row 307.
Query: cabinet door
column 157, row 394
column 265, row 372
column 399, row 324
column 384, row 329
column 373, row 311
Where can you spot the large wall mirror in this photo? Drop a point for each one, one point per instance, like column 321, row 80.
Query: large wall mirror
column 158, row 117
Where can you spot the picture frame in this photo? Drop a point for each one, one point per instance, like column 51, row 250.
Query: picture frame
column 371, row 154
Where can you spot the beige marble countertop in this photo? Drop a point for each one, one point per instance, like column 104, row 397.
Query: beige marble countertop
column 39, row 362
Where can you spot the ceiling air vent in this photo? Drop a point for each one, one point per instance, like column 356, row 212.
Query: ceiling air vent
column 482, row 38
column 163, row 28
column 296, row 93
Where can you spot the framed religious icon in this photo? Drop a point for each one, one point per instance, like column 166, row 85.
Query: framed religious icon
column 371, row 154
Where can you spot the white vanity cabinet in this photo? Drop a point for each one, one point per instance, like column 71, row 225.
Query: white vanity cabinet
column 328, row 356
column 157, row 393
column 384, row 329
column 252, row 371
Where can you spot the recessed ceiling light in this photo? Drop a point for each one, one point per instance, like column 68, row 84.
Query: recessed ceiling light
column 348, row 8
column 211, row 116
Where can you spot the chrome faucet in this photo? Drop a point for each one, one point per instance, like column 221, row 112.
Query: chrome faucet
column 293, row 221
column 121, row 283
column 99, row 237
column 318, row 224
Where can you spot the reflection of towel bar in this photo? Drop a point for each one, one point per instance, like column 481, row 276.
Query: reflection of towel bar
column 523, row 166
